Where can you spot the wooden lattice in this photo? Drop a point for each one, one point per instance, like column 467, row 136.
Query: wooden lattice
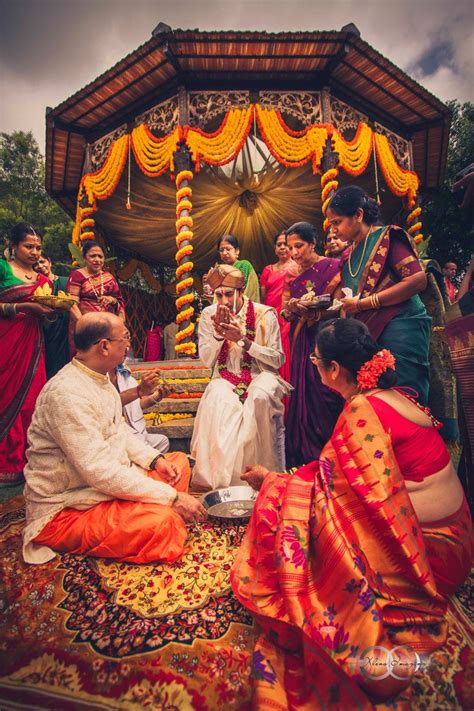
column 144, row 309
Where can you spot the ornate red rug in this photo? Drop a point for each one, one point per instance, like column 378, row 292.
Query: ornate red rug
column 88, row 634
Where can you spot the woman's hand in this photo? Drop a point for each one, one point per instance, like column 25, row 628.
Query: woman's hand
column 254, row 476
column 107, row 300
column 34, row 308
column 350, row 306
column 295, row 306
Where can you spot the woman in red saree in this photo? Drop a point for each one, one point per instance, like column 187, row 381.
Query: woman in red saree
column 272, row 283
column 93, row 288
column 348, row 564
column 22, row 369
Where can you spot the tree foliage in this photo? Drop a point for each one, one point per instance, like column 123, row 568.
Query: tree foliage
column 443, row 220
column 23, row 196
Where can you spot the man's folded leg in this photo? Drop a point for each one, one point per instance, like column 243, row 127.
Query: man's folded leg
column 131, row 531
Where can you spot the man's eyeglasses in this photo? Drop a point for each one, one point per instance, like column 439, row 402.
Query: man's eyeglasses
column 314, row 358
column 123, row 338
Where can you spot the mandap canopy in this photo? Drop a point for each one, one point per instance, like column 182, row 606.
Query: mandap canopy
column 168, row 183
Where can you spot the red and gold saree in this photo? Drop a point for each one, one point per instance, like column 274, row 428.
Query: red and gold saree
column 22, row 373
column 334, row 564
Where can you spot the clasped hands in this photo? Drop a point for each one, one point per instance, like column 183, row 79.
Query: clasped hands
column 226, row 325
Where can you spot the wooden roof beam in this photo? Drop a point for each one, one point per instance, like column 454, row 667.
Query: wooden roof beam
column 70, row 127
column 333, row 63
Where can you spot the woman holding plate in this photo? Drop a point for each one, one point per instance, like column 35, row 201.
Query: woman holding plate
column 313, row 408
column 386, row 278
column 22, row 369
column 93, row 288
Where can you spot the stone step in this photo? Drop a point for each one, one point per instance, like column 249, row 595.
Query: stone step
column 195, row 368
column 174, row 405
column 175, row 429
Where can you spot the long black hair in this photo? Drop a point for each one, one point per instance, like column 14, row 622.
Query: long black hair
column 348, row 342
column 346, row 201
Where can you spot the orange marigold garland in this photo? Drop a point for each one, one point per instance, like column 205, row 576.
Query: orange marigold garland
column 400, row 181
column 329, row 185
column 354, row 156
column 414, row 225
column 184, row 236
column 224, row 144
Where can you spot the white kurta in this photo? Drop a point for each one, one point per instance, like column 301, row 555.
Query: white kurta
column 228, row 434
column 81, row 452
column 133, row 414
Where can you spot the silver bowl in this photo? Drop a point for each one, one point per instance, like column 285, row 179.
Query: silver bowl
column 233, row 504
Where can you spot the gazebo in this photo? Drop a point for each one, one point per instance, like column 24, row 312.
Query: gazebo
column 197, row 134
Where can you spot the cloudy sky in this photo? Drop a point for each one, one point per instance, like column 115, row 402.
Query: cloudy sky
column 51, row 48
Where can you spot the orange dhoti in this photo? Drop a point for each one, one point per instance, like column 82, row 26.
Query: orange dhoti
column 131, row 531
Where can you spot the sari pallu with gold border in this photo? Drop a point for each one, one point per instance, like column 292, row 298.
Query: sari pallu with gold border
column 383, row 259
column 333, row 563
column 22, row 374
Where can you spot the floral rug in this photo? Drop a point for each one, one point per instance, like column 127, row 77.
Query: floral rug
column 79, row 633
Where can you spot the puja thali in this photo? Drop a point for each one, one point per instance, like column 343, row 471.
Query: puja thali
column 233, row 504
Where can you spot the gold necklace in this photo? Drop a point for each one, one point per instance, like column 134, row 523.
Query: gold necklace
column 354, row 274
column 27, row 276
column 101, row 293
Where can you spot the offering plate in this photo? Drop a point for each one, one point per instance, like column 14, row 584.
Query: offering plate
column 233, row 504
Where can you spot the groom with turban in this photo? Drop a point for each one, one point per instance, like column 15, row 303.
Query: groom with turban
column 239, row 422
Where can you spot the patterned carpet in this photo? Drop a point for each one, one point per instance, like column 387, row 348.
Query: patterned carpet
column 85, row 634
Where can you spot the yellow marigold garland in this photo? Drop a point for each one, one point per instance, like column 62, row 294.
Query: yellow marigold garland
column 354, row 155
column 291, row 148
column 182, row 175
column 185, row 251
column 154, row 155
column 414, row 225
column 183, row 268
column 223, row 145
column 183, row 300
column 400, row 181
column 329, row 185
column 329, row 188
column 185, row 221
column 185, row 315
column 183, row 204
column 185, row 333
column 184, row 193
column 414, row 228
column 184, row 236
column 414, row 214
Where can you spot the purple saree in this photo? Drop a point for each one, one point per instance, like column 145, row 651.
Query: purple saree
column 313, row 408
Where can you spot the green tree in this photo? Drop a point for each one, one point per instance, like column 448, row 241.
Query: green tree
column 448, row 225
column 23, row 196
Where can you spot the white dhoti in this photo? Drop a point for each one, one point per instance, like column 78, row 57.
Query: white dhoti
column 228, row 434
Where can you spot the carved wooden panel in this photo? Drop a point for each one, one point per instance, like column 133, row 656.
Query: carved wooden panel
column 162, row 118
column 345, row 118
column 206, row 105
column 304, row 106
column 98, row 150
column 400, row 147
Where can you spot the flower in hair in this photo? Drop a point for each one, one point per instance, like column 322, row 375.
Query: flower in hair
column 369, row 373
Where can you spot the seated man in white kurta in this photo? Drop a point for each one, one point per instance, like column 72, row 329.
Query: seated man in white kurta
column 239, row 421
